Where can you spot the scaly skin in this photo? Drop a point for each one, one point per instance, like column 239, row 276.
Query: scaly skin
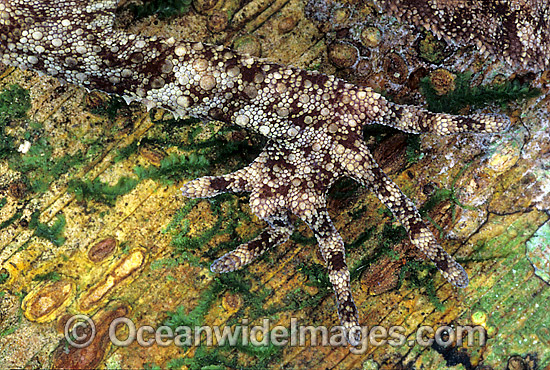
column 517, row 30
column 314, row 122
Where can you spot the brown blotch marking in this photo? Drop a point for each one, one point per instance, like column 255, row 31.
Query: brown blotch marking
column 280, row 222
column 470, row 124
column 336, row 261
column 415, row 229
column 283, row 189
column 241, row 183
column 248, row 73
column 281, row 162
column 298, row 121
column 259, row 245
column 235, row 61
column 382, row 190
column 349, row 140
column 441, row 260
column 323, row 225
column 208, row 54
column 397, row 111
column 153, row 66
column 320, row 121
column 265, row 192
column 315, row 78
column 323, row 181
column 307, row 150
column 219, row 183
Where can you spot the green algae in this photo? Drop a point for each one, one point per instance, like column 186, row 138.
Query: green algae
column 49, row 276
column 514, row 300
column 13, row 326
column 391, row 235
column 161, row 8
column 174, row 167
column 53, row 233
column 380, row 238
column 301, row 239
column 186, row 247
column 226, row 146
column 37, row 165
column 126, row 151
column 16, row 216
column 385, row 241
column 4, row 276
column 217, row 358
column 195, row 317
column 317, row 276
column 361, row 238
column 225, row 209
column 413, row 152
column 171, row 169
column 14, row 104
column 100, row 191
column 110, row 107
column 299, row 299
column 421, row 275
column 125, row 247
column 151, row 366
column 39, row 168
column 465, row 95
column 508, row 303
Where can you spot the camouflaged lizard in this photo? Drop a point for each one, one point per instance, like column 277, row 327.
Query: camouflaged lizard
column 313, row 122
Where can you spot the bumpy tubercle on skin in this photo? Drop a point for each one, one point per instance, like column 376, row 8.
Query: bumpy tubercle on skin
column 314, row 122
column 516, row 30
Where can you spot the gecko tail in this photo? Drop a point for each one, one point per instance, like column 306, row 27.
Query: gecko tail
column 416, row 120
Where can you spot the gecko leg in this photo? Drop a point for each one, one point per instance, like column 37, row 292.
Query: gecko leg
column 279, row 230
column 372, row 176
column 416, row 120
column 333, row 252
column 280, row 226
column 210, row 186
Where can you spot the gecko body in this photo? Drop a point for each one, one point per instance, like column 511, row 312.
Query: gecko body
column 313, row 122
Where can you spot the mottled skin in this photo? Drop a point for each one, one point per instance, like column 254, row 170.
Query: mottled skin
column 314, row 122
column 518, row 30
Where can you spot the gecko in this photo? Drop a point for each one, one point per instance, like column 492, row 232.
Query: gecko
column 313, row 123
